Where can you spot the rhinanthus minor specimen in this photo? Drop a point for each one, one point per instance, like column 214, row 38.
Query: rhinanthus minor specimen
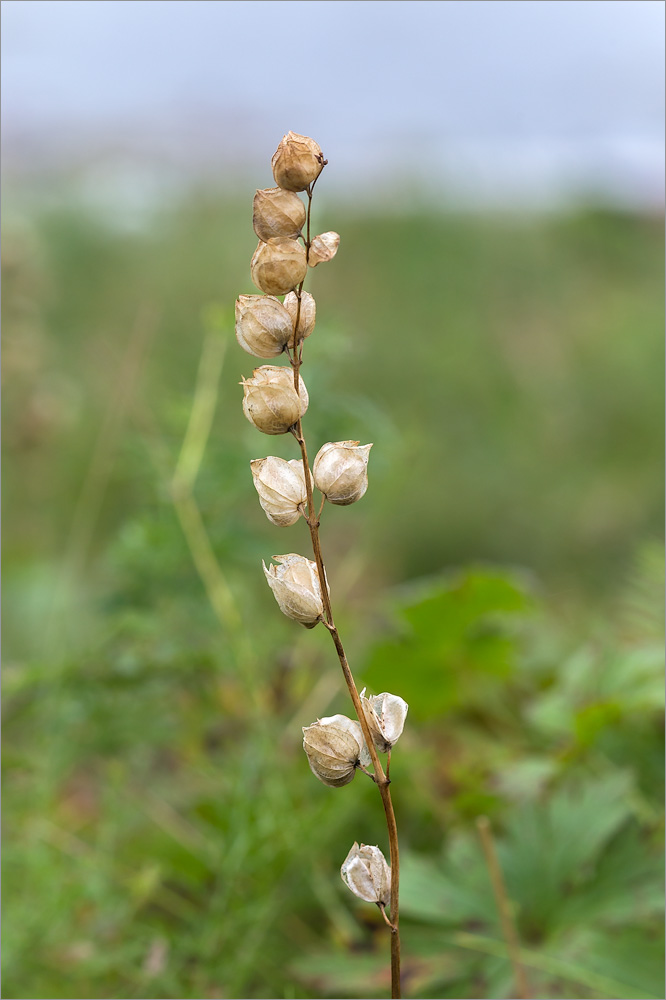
column 274, row 401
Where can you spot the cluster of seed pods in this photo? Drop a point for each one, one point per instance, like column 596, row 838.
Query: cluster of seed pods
column 274, row 401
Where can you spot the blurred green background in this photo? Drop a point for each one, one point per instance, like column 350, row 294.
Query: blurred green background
column 504, row 573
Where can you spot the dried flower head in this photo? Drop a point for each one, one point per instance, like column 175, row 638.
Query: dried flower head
column 306, row 315
column 385, row 715
column 281, row 375
column 295, row 585
column 367, row 874
column 278, row 266
column 281, row 488
column 263, row 326
column 323, row 247
column 340, row 471
column 277, row 213
column 297, row 162
column 335, row 748
column 270, row 401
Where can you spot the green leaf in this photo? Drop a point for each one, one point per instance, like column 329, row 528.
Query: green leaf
column 449, row 634
column 450, row 893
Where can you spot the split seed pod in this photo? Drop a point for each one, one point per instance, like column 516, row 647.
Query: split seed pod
column 340, row 471
column 278, row 266
column 334, row 746
column 281, row 488
column 277, row 213
column 263, row 326
column 385, row 715
column 270, row 401
column 323, row 247
column 295, row 585
column 306, row 316
column 366, row 872
column 297, row 162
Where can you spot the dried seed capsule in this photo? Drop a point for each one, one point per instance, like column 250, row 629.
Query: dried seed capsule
column 263, row 326
column 295, row 585
column 340, row 471
column 281, row 375
column 278, row 266
column 277, row 213
column 385, row 715
column 306, row 316
column 270, row 401
column 367, row 874
column 323, row 247
column 281, row 488
column 297, row 162
column 334, row 746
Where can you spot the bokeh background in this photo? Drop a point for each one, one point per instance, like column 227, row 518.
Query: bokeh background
column 493, row 323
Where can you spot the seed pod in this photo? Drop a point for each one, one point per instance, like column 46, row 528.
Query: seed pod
column 334, row 746
column 297, row 162
column 385, row 715
column 263, row 326
column 270, row 401
column 278, row 266
column 281, row 375
column 295, row 586
column 307, row 315
column 367, row 874
column 277, row 213
column 323, row 247
column 281, row 488
column 340, row 471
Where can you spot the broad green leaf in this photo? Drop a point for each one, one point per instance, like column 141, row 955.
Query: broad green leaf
column 450, row 635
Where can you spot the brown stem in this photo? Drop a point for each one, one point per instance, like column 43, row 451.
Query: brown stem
column 383, row 785
column 380, row 778
column 503, row 907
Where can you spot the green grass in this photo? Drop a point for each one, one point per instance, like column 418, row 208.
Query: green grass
column 164, row 837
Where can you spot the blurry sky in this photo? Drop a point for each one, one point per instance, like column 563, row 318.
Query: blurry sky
column 503, row 100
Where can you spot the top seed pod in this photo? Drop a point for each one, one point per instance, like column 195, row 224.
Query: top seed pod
column 297, row 162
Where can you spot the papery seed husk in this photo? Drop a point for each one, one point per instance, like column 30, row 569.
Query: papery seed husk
column 366, row 873
column 278, row 266
column 295, row 585
column 297, row 162
column 333, row 746
column 391, row 710
column 333, row 743
column 340, row 471
column 263, row 326
column 272, row 409
column 350, row 726
column 385, row 714
column 300, row 605
column 332, row 770
column 277, row 214
column 281, row 375
column 306, row 316
column 281, row 488
column 323, row 248
column 344, row 779
column 374, row 725
column 331, row 773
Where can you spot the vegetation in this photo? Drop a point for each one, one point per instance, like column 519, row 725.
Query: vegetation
column 163, row 835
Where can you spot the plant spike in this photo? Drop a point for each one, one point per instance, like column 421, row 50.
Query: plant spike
column 275, row 403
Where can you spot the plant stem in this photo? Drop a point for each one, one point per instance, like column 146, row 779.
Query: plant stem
column 380, row 777
column 504, row 909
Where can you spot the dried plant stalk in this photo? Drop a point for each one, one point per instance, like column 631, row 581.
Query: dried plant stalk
column 336, row 747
